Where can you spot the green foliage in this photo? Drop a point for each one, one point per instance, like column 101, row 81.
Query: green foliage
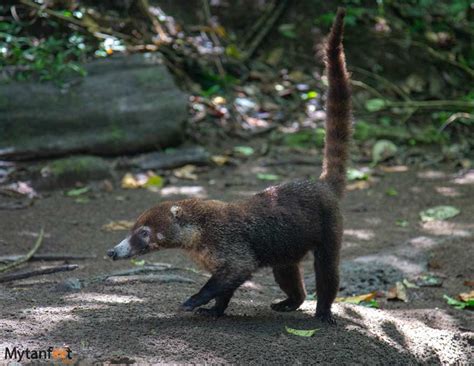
column 49, row 58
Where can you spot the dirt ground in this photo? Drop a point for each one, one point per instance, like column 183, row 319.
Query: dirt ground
column 139, row 322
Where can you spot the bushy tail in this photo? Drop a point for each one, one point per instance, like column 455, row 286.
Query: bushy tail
column 338, row 110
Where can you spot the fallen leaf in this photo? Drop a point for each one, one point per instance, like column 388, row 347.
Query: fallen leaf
column 300, row 332
column 391, row 192
column 459, row 304
column 186, row 172
column 77, row 191
column 264, row 176
column 137, row 262
column 397, row 293
column 371, row 304
column 244, row 150
column 142, row 180
column 439, row 213
column 466, row 296
column 409, row 284
column 220, row 159
column 357, row 174
column 428, row 281
column 357, row 299
column 359, row 185
column 469, row 283
column 20, row 188
column 120, row 225
column 383, row 150
column 402, row 223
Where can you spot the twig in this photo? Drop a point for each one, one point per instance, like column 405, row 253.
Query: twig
column 38, row 272
column 265, row 30
column 215, row 39
column 27, row 257
column 144, row 7
column 365, row 86
column 258, row 24
column 46, row 257
column 455, row 117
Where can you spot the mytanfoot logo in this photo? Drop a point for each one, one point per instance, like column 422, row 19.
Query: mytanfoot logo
column 62, row 355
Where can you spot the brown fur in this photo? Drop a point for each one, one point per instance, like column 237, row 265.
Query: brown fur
column 275, row 228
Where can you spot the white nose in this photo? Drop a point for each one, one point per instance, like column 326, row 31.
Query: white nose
column 121, row 250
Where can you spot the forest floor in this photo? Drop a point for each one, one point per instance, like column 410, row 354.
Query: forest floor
column 138, row 320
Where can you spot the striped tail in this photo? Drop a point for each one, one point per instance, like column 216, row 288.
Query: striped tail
column 338, row 110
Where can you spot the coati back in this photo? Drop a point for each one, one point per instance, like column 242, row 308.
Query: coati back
column 276, row 227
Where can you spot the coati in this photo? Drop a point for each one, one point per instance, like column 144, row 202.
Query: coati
column 276, row 227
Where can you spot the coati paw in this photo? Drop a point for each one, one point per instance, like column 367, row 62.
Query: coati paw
column 285, row 305
column 188, row 305
column 326, row 318
column 210, row 313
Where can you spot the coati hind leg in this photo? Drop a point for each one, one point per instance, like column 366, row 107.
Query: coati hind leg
column 326, row 268
column 219, row 307
column 291, row 282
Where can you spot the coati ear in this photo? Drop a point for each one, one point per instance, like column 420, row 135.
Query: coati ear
column 177, row 211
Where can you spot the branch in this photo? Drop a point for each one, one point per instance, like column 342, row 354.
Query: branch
column 38, row 272
column 27, row 257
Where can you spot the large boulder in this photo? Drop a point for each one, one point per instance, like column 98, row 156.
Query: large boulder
column 125, row 104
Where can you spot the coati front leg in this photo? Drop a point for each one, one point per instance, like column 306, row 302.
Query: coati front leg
column 290, row 280
column 221, row 286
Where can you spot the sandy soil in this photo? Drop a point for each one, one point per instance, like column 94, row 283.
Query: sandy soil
column 140, row 322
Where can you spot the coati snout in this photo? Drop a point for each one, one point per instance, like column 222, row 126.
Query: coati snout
column 275, row 228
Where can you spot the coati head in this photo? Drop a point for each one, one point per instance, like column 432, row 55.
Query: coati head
column 160, row 227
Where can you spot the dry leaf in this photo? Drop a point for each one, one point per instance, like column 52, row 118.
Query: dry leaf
column 397, row 293
column 142, row 180
column 357, row 299
column 467, row 296
column 469, row 283
column 120, row 225
column 220, row 159
column 186, row 172
column 359, row 185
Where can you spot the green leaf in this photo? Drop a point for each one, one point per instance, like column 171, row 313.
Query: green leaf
column 244, row 150
column 137, row 262
column 355, row 174
column 370, row 304
column 77, row 191
column 374, row 105
column 301, row 333
column 439, row 213
column 264, row 176
column 402, row 223
column 233, row 51
column 391, row 192
column 287, row 30
column 459, row 304
column 154, row 181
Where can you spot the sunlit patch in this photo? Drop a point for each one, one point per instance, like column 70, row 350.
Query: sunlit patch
column 431, row 174
column 374, row 221
column 446, row 228
column 103, row 298
column 466, row 178
column 52, row 313
column 448, row 191
column 360, row 234
column 405, row 334
column 191, row 191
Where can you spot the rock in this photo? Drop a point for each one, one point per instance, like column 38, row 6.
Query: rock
column 69, row 285
column 125, row 104
column 69, row 171
column 169, row 160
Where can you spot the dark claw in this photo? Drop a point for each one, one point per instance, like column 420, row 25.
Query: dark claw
column 189, row 305
column 326, row 318
column 285, row 306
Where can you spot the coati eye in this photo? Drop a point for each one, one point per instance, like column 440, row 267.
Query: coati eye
column 144, row 234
